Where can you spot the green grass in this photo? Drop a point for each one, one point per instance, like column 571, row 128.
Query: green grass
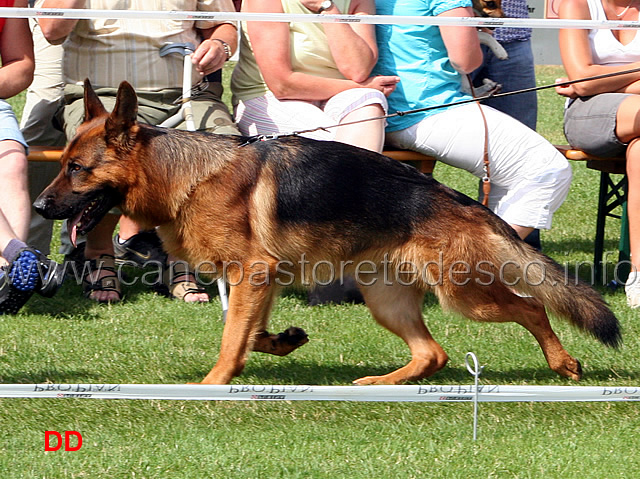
column 150, row 339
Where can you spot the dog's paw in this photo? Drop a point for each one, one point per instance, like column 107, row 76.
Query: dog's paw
column 571, row 369
column 282, row 343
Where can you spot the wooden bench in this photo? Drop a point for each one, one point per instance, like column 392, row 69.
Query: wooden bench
column 611, row 195
column 423, row 163
column 45, row 153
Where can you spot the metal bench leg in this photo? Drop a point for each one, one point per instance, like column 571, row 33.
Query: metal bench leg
column 600, row 224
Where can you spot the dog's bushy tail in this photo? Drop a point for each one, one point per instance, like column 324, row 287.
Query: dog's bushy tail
column 537, row 275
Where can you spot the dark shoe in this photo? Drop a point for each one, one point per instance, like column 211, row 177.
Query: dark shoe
column 11, row 298
column 142, row 249
column 533, row 239
column 30, row 271
column 336, row 292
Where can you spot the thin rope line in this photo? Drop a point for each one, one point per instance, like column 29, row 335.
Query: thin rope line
column 455, row 103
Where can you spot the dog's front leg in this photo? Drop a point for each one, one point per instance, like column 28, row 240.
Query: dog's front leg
column 249, row 302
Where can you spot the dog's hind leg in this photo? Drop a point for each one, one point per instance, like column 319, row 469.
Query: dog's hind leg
column 399, row 309
column 499, row 304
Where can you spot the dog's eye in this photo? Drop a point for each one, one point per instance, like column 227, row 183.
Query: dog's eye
column 74, row 167
column 491, row 5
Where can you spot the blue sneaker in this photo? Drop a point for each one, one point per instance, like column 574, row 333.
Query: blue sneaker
column 30, row 272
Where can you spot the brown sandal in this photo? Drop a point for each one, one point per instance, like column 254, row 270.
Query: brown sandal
column 178, row 289
column 108, row 282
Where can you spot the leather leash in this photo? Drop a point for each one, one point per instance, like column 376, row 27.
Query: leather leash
column 486, row 179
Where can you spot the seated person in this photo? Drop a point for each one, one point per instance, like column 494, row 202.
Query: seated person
column 601, row 116
column 110, row 51
column 296, row 76
column 529, row 178
column 23, row 270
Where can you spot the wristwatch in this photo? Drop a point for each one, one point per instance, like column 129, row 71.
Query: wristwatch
column 326, row 5
column 225, row 47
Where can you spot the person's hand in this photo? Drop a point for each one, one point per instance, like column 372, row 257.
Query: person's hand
column 565, row 90
column 313, row 5
column 386, row 84
column 209, row 57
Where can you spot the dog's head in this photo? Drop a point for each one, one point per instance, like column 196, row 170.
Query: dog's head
column 93, row 175
column 488, row 8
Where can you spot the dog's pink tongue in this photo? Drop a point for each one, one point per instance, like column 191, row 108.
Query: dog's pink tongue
column 73, row 235
column 73, row 229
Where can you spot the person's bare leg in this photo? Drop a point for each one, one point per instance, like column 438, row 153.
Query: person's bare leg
column 628, row 131
column 128, row 228
column 14, row 194
column 368, row 134
column 523, row 231
column 99, row 242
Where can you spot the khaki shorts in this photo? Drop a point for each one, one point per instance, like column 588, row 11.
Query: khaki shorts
column 209, row 112
column 590, row 124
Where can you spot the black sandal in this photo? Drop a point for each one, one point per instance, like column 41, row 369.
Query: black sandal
column 108, row 282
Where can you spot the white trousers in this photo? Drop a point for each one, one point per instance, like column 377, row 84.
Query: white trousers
column 530, row 179
column 267, row 115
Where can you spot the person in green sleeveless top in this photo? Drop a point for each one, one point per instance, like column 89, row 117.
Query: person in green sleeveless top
column 298, row 75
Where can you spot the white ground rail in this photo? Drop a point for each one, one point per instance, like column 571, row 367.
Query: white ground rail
column 419, row 393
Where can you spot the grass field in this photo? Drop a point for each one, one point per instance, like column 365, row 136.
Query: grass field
column 150, row 339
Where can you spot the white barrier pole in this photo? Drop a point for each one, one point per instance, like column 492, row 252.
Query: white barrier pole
column 71, row 13
column 419, row 393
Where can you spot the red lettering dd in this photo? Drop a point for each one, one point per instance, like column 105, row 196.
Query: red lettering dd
column 67, row 442
column 47, row 440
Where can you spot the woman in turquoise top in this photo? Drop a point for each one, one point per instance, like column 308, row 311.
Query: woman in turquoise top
column 529, row 178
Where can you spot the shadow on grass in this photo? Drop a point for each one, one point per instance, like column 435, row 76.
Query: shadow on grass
column 318, row 374
column 50, row 376
column 70, row 300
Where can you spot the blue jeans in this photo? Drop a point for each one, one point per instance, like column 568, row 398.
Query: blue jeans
column 514, row 73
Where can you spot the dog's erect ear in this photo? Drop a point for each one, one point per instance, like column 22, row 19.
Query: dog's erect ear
column 124, row 114
column 93, row 107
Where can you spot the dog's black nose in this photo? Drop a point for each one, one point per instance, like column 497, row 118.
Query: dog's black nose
column 40, row 205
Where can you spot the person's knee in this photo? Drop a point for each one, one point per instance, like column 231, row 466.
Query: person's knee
column 13, row 167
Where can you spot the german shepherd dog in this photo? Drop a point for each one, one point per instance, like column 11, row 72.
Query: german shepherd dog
column 277, row 208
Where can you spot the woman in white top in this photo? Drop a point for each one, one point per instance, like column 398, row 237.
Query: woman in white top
column 602, row 115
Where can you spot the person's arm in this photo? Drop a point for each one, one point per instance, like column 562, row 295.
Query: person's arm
column 210, row 55
column 463, row 46
column 56, row 30
column 270, row 42
column 577, row 59
column 16, row 50
column 353, row 45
